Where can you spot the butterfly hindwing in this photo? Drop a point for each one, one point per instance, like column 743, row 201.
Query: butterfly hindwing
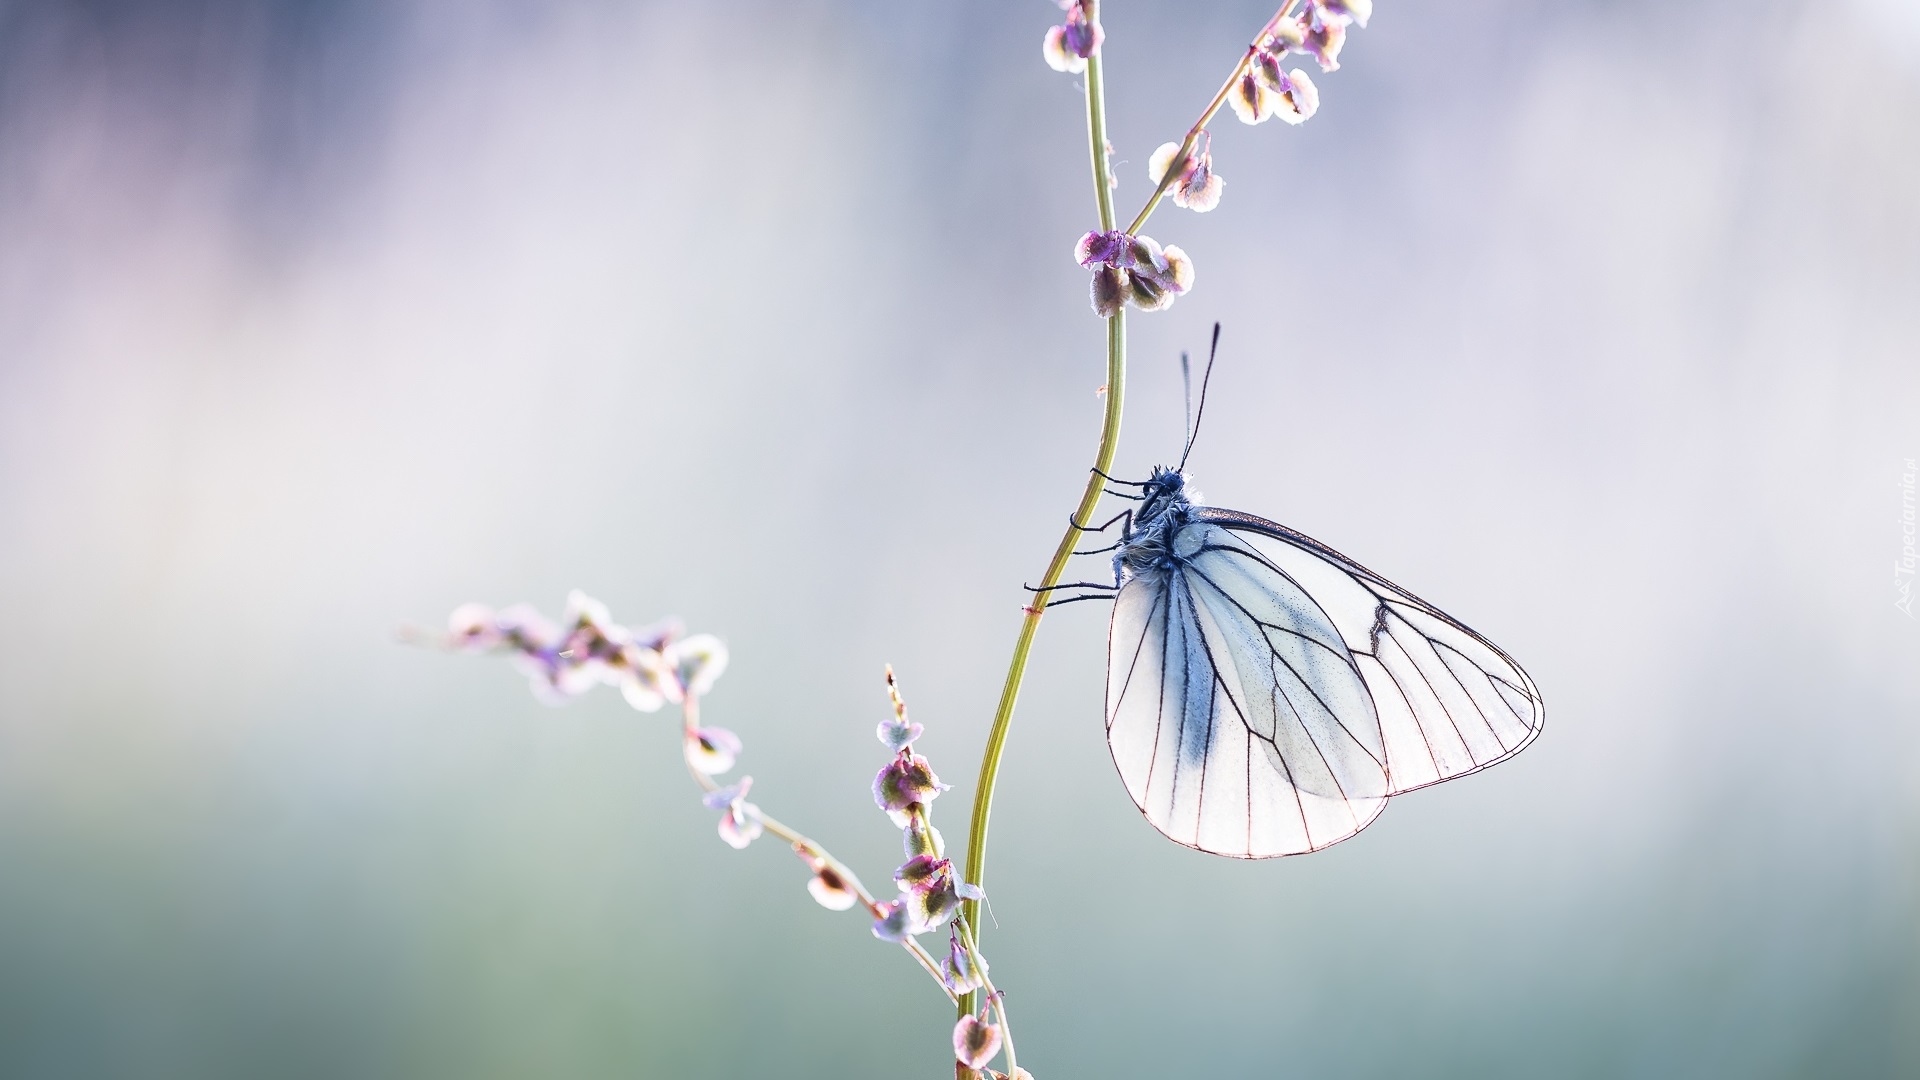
column 1239, row 720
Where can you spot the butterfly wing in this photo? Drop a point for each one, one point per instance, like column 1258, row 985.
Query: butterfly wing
column 1449, row 701
column 1236, row 713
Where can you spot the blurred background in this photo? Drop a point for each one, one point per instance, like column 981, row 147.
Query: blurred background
column 1592, row 322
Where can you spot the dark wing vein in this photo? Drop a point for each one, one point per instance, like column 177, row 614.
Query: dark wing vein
column 1303, row 678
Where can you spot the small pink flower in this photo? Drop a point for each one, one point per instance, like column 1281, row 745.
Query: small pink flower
column 1197, row 186
column 1159, row 274
column 739, row 819
column 929, row 884
column 921, row 838
column 525, row 629
column 1346, row 11
column 1251, row 100
column 1113, row 248
column 828, row 888
column 975, row 1041
column 647, row 679
column 959, row 971
column 712, row 750
column 473, row 628
column 1295, row 98
column 1109, row 291
column 1067, row 46
column 898, row 733
column 697, row 662
column 592, row 652
column 906, row 780
column 923, row 873
column 1289, row 35
column 898, row 924
column 1139, row 271
column 1325, row 38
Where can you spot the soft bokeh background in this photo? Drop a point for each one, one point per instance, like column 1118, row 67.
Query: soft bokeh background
column 1593, row 322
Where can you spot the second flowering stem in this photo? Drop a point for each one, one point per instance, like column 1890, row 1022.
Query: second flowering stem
column 804, row 845
column 1206, row 117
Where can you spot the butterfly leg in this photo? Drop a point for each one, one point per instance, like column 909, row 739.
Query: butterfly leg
column 1076, row 599
column 1071, row 585
column 1124, row 515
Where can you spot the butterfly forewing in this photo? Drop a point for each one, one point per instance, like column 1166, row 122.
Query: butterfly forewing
column 1448, row 701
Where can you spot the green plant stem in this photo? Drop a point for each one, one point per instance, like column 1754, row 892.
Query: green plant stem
column 1082, row 516
column 1206, row 117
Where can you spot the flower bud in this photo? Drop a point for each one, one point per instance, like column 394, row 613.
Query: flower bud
column 1297, row 98
column 975, row 1041
column 1196, row 186
column 697, row 663
column 962, row 975
column 712, row 750
column 1289, row 35
column 1266, row 67
column 922, row 873
column 647, row 679
column 899, row 733
column 739, row 819
column 472, row 628
column 1113, row 248
column 935, row 907
column 1159, row 275
column 1250, row 100
column 1068, row 45
column 897, row 924
column 1058, row 56
column 526, row 629
column 831, row 890
column 1110, row 291
column 1325, row 38
column 584, row 611
column 1082, row 33
column 906, row 780
column 1355, row 11
column 921, row 838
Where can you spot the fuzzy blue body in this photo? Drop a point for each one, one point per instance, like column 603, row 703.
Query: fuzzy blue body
column 1146, row 545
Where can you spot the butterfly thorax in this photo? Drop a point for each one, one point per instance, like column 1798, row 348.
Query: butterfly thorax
column 1147, row 545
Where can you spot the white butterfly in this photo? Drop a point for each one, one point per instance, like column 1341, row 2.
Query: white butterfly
column 1266, row 694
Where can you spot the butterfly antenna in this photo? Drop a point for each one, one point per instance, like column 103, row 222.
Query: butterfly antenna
column 1186, row 388
column 1193, row 431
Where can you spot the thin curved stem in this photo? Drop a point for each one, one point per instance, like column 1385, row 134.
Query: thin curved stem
column 1116, row 391
column 1206, row 117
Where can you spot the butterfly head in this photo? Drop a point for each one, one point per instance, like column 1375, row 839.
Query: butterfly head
column 1165, row 489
